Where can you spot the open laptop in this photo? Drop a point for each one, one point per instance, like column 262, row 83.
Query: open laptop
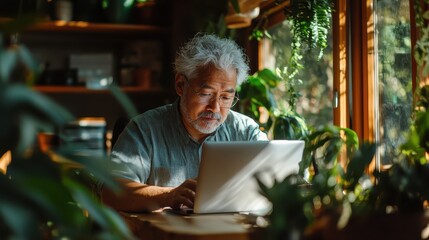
column 226, row 179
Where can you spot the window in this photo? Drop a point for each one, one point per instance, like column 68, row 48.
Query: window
column 369, row 64
column 315, row 87
column 393, row 76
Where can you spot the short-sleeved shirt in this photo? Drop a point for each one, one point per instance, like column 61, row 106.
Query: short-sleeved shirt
column 156, row 149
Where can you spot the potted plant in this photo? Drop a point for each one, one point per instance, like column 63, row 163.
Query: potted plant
column 44, row 194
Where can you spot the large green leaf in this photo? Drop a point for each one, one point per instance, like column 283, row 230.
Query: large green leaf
column 23, row 224
column 235, row 5
column 359, row 163
column 39, row 181
column 8, row 60
column 43, row 198
column 25, row 112
column 124, row 100
column 91, row 166
column 105, row 218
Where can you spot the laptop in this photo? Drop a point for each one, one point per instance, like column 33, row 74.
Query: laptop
column 226, row 179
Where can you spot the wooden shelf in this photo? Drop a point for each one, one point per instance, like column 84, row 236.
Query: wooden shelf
column 84, row 90
column 93, row 28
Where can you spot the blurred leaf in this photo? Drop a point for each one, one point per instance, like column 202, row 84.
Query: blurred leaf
column 26, row 57
column 422, row 127
column 43, row 198
column 124, row 100
column 22, row 223
column 352, row 140
column 97, row 166
column 269, row 77
column 28, row 112
column 105, row 219
column 41, row 180
column 235, row 5
column 358, row 163
column 18, row 98
column 289, row 127
column 8, row 60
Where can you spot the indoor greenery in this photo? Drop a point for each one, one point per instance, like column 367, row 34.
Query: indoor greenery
column 296, row 205
column 342, row 198
column 45, row 195
column 275, row 116
column 341, row 194
column 310, row 21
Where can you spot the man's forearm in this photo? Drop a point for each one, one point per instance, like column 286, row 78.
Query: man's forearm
column 136, row 197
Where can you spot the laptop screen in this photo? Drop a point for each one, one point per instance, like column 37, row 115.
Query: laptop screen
column 226, row 179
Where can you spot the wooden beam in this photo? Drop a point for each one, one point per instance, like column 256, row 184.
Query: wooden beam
column 340, row 63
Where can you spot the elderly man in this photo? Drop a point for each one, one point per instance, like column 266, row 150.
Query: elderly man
column 159, row 150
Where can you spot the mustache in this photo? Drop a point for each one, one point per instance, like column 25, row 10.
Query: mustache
column 216, row 116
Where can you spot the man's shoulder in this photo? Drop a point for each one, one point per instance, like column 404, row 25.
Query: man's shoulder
column 234, row 116
column 239, row 121
column 239, row 127
column 156, row 114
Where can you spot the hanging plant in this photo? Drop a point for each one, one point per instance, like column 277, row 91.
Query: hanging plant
column 310, row 21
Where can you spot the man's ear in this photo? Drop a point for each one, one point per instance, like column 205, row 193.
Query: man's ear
column 179, row 84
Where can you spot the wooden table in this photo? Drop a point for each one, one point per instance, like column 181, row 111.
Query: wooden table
column 167, row 226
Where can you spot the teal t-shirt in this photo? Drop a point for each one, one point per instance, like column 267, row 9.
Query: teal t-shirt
column 156, row 149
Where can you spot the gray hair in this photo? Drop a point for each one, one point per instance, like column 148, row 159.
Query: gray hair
column 207, row 49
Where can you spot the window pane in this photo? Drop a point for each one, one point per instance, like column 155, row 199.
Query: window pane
column 315, row 103
column 394, row 79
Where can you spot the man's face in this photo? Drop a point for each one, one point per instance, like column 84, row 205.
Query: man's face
column 203, row 100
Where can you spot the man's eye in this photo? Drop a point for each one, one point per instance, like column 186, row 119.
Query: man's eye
column 205, row 94
column 227, row 97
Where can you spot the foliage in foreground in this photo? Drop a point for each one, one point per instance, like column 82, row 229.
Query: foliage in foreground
column 346, row 190
column 45, row 195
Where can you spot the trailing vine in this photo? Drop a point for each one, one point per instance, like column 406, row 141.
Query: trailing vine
column 310, row 21
column 421, row 51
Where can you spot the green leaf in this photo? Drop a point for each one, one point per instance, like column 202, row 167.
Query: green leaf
column 39, row 181
column 358, row 163
column 26, row 57
column 124, row 100
column 8, row 60
column 27, row 110
column 235, row 5
column 92, row 165
column 269, row 77
column 426, row 15
column 22, row 223
column 107, row 219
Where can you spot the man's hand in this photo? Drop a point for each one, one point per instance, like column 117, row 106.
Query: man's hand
column 183, row 195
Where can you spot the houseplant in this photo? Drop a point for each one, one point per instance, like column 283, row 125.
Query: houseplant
column 277, row 117
column 310, row 21
column 44, row 195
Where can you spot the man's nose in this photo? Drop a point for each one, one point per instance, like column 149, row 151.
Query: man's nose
column 214, row 104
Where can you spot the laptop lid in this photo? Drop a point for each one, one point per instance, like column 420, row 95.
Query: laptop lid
column 226, row 181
